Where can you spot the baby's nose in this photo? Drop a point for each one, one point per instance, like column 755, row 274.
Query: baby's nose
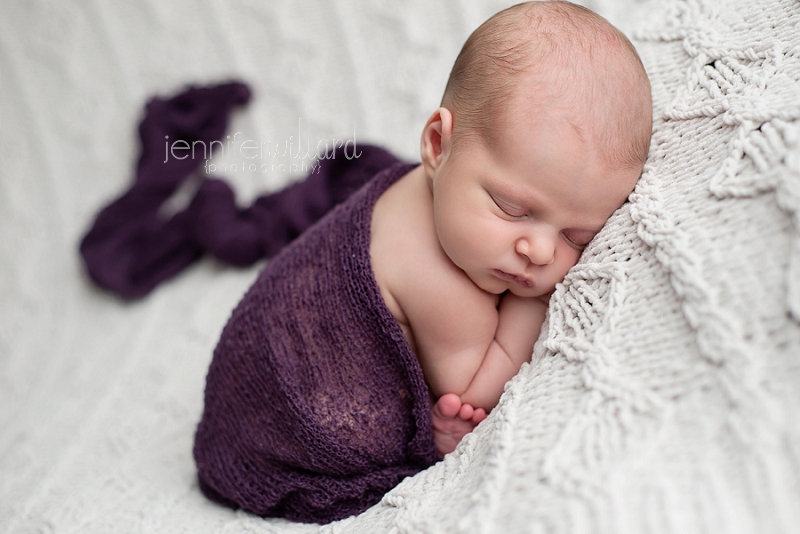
column 538, row 247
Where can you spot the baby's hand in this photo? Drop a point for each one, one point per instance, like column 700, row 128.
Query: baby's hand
column 452, row 420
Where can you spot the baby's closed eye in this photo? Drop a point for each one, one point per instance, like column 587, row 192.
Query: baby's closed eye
column 578, row 238
column 512, row 211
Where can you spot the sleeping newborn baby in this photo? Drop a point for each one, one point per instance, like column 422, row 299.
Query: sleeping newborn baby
column 542, row 134
column 373, row 343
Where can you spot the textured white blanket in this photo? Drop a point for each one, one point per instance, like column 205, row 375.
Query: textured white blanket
column 663, row 394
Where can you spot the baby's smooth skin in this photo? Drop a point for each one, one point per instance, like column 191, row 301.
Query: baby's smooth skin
column 467, row 247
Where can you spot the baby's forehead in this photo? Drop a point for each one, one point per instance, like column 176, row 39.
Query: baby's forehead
column 556, row 59
column 612, row 122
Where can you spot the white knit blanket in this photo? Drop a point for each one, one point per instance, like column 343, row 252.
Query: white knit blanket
column 663, row 394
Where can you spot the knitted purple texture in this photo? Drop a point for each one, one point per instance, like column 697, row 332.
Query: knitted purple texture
column 314, row 404
column 132, row 247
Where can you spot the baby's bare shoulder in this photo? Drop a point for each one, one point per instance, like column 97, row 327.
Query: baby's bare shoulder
column 423, row 289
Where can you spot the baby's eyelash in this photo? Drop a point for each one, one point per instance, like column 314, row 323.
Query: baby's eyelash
column 507, row 210
column 574, row 244
column 579, row 244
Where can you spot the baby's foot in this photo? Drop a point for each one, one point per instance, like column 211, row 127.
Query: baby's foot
column 452, row 420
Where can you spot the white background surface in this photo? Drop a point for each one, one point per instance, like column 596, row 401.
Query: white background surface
column 663, row 396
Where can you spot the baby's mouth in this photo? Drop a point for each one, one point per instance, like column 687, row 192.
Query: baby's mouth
column 519, row 280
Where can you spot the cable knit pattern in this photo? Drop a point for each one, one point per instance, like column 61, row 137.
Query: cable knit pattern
column 662, row 394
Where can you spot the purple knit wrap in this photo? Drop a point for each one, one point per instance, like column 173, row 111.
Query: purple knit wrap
column 315, row 406
column 132, row 247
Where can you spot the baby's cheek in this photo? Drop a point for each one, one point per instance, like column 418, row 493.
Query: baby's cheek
column 569, row 258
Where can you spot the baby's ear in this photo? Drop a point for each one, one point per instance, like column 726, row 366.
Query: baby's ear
column 436, row 140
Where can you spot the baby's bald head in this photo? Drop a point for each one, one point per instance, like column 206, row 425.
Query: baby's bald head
column 556, row 58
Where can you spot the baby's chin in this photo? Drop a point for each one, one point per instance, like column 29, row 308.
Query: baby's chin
column 496, row 286
column 533, row 292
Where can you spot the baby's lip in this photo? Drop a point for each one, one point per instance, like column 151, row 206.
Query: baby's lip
column 520, row 280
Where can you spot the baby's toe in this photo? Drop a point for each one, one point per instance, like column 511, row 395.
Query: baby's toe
column 479, row 415
column 448, row 405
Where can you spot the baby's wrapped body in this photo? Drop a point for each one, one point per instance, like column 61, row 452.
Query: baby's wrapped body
column 315, row 405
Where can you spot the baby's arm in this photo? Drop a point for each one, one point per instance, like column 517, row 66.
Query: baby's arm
column 519, row 322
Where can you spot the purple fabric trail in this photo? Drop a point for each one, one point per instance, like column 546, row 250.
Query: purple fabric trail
column 132, row 247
